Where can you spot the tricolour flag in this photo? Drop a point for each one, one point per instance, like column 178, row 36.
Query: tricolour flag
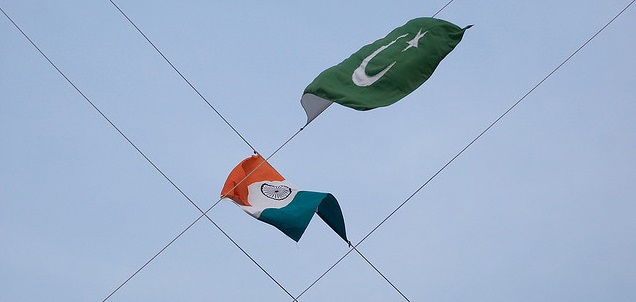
column 256, row 187
column 385, row 71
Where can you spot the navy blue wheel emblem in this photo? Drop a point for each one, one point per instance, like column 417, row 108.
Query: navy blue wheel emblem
column 278, row 192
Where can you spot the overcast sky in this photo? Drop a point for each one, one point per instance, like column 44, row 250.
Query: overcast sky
column 541, row 208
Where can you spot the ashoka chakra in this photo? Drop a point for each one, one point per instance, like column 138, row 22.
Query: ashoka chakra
column 279, row 192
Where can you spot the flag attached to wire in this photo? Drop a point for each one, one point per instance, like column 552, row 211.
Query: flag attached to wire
column 385, row 71
column 256, row 187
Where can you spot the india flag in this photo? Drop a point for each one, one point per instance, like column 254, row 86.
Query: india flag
column 256, row 187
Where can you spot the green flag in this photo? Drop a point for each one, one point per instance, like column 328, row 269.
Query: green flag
column 385, row 71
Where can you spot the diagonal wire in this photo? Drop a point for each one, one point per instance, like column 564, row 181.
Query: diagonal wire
column 381, row 274
column 441, row 9
column 183, row 77
column 204, row 214
column 469, row 145
column 148, row 160
column 354, row 247
column 236, row 131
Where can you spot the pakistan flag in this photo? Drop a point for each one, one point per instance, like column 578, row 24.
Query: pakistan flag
column 383, row 72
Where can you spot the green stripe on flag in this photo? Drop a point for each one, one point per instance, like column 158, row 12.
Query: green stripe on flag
column 294, row 218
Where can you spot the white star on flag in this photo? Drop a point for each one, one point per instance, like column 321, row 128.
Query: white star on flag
column 415, row 41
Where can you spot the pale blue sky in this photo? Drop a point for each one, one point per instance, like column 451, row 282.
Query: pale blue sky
column 541, row 208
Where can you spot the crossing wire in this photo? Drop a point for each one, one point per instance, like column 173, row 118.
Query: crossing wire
column 204, row 214
column 243, row 138
column 354, row 248
column 466, row 147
